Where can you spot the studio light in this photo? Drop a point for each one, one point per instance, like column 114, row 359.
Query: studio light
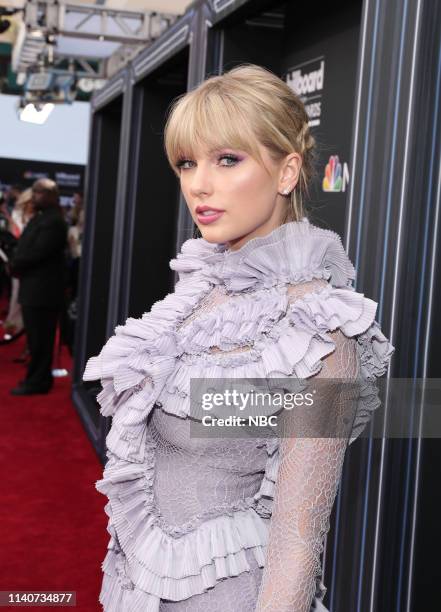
column 32, row 115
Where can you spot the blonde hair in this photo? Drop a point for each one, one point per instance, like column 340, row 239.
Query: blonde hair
column 245, row 107
column 23, row 198
column 24, row 206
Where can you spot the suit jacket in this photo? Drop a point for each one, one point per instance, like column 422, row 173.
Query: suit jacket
column 39, row 260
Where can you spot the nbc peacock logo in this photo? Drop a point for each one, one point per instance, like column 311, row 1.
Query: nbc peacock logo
column 333, row 180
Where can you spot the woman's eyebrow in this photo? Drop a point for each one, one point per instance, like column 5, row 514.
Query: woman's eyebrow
column 208, row 152
column 221, row 148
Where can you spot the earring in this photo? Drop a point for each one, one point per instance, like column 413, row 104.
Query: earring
column 286, row 191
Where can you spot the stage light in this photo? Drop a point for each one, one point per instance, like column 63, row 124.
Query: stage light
column 32, row 115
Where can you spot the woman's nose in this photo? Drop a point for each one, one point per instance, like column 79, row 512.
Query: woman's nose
column 201, row 180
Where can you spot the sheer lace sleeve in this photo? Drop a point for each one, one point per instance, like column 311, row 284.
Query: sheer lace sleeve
column 306, row 487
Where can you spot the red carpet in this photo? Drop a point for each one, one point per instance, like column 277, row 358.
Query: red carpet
column 52, row 522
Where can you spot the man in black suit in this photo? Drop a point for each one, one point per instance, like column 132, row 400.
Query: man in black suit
column 39, row 263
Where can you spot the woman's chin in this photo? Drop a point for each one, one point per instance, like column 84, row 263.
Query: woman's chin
column 214, row 234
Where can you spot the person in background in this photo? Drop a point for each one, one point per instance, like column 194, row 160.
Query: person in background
column 14, row 193
column 6, row 240
column 74, row 237
column 5, row 216
column 20, row 215
column 77, row 207
column 22, row 212
column 71, row 208
column 39, row 263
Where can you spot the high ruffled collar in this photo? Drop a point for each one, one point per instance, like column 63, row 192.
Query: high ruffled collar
column 293, row 252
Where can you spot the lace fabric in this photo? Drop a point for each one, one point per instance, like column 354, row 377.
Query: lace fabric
column 307, row 484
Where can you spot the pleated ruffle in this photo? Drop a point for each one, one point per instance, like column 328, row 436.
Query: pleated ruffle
column 115, row 596
column 292, row 346
column 181, row 562
column 134, row 364
column 145, row 564
column 234, row 323
column 149, row 368
column 293, row 252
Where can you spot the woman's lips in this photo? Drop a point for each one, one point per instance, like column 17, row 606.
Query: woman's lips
column 213, row 216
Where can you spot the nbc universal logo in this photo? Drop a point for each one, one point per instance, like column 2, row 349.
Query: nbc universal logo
column 307, row 81
column 336, row 175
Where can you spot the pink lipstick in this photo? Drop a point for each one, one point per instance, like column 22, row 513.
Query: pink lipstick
column 207, row 214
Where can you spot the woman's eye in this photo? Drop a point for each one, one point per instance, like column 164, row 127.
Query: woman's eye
column 231, row 158
column 181, row 163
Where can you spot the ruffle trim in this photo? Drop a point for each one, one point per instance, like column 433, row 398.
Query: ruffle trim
column 264, row 498
column 146, row 369
column 198, row 554
column 293, row 252
column 328, row 309
column 188, row 563
column 148, row 355
column 116, row 597
column 375, row 352
column 236, row 322
column 195, row 255
column 293, row 347
column 144, row 564
column 153, row 335
column 134, row 364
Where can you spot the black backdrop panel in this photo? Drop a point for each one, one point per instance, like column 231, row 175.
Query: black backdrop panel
column 329, row 45
column 108, row 127
column 295, row 41
column 257, row 39
column 156, row 188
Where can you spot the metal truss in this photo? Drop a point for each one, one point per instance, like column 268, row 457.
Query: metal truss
column 44, row 20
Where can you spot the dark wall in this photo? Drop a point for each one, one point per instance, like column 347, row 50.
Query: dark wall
column 69, row 177
column 327, row 39
column 107, row 128
column 153, row 190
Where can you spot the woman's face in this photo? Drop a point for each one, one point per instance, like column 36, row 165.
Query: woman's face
column 234, row 183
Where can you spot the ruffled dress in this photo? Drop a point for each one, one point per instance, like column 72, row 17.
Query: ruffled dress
column 189, row 518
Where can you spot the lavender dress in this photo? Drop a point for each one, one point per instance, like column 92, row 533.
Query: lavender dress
column 229, row 525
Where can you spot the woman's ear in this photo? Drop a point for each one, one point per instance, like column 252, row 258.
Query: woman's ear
column 290, row 171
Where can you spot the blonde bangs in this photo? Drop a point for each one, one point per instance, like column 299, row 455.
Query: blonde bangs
column 205, row 120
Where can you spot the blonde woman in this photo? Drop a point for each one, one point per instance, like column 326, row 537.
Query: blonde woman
column 22, row 211
column 227, row 524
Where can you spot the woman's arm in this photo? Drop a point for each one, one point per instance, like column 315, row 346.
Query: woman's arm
column 306, row 487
